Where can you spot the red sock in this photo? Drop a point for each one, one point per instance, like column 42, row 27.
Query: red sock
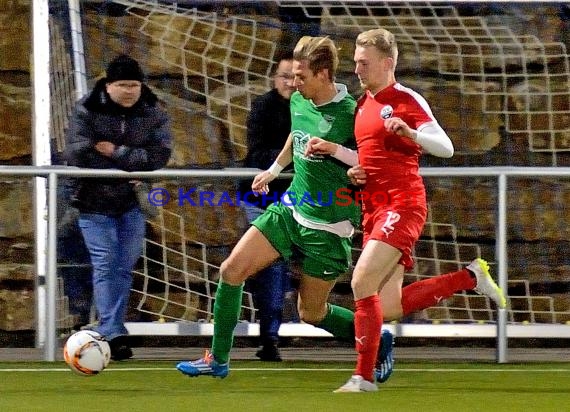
column 367, row 325
column 429, row 292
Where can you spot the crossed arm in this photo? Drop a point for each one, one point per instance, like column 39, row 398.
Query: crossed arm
column 432, row 138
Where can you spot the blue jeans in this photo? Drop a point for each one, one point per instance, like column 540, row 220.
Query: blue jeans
column 268, row 288
column 115, row 245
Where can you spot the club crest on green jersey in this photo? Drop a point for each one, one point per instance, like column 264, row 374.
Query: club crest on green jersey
column 326, row 123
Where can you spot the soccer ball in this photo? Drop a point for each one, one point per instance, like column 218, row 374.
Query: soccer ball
column 87, row 352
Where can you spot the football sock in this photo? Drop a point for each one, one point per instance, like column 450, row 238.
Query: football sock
column 367, row 325
column 226, row 312
column 429, row 292
column 339, row 321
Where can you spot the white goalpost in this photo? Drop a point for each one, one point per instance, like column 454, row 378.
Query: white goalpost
column 45, row 287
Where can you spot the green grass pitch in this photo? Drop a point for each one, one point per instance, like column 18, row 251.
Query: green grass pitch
column 289, row 386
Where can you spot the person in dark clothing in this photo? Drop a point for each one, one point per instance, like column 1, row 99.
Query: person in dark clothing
column 119, row 125
column 73, row 259
column 268, row 126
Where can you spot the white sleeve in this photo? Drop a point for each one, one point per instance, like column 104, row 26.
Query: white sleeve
column 433, row 139
column 346, row 155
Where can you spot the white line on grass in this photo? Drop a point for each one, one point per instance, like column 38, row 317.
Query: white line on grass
column 294, row 370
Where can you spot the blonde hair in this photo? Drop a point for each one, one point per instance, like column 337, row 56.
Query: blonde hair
column 320, row 52
column 383, row 40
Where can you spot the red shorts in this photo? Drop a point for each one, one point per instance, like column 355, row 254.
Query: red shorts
column 399, row 227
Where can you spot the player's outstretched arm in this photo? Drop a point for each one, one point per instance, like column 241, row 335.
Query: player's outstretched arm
column 318, row 146
column 261, row 182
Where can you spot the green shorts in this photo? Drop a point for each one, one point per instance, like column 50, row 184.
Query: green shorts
column 322, row 254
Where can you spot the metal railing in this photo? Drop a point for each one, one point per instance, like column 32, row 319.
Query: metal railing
column 52, row 173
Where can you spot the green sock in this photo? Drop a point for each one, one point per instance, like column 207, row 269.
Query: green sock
column 227, row 308
column 339, row 321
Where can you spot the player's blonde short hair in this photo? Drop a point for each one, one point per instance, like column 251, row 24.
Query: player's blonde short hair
column 320, row 52
column 383, row 40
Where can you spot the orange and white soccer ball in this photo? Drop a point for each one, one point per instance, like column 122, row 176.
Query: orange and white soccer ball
column 87, row 352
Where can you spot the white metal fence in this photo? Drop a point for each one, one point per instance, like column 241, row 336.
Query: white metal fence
column 501, row 330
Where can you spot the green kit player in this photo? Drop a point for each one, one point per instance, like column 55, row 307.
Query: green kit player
column 310, row 223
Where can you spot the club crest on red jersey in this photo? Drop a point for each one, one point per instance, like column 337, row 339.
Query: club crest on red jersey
column 386, row 112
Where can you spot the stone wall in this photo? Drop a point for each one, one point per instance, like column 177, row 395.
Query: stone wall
column 486, row 117
column 17, row 300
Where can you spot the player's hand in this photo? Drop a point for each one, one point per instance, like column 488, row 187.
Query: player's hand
column 105, row 148
column 261, row 182
column 398, row 126
column 357, row 175
column 318, row 146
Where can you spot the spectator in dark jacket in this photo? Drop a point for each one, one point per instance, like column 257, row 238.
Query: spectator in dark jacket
column 268, row 126
column 119, row 125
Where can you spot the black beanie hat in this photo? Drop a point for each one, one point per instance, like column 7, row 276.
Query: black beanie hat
column 124, row 68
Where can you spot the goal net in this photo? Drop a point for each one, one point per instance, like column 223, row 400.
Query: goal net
column 497, row 80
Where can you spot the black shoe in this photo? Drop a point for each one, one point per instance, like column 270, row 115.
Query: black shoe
column 119, row 349
column 121, row 353
column 269, row 353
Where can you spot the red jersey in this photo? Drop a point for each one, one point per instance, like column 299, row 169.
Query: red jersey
column 391, row 161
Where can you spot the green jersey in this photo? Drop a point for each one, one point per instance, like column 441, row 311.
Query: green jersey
column 318, row 180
